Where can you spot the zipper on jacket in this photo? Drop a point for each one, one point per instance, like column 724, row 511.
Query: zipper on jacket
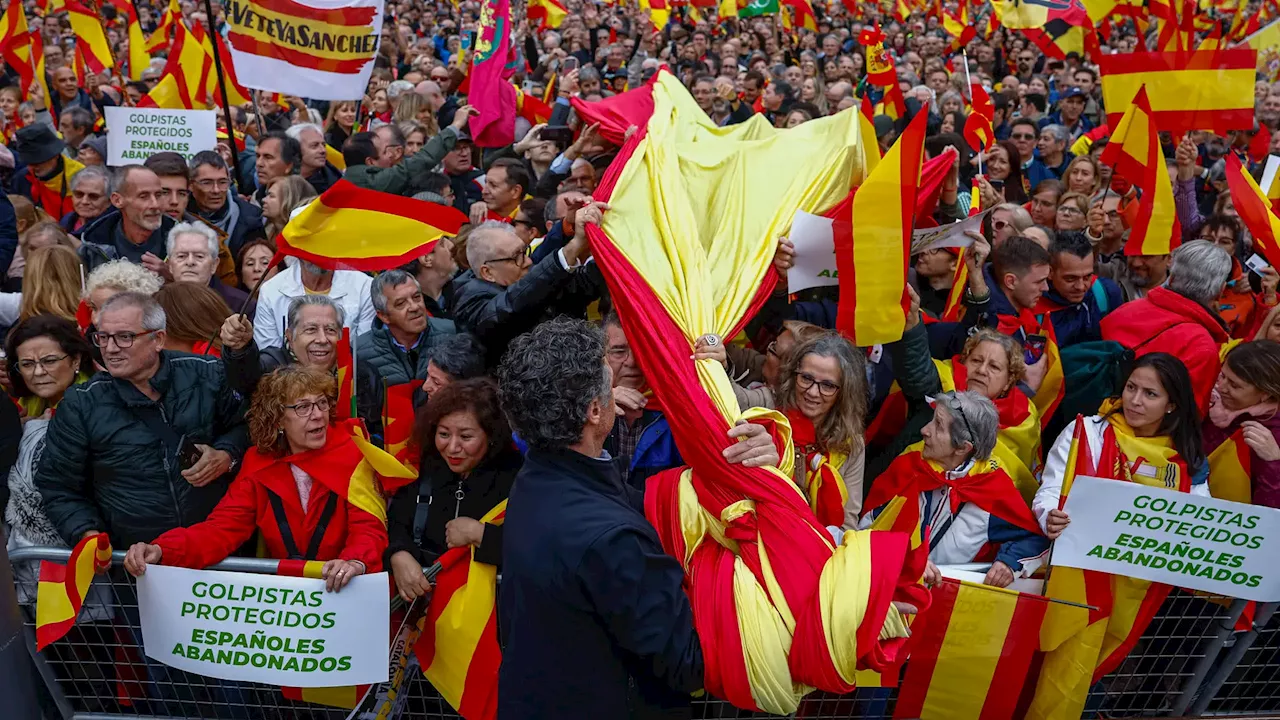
column 164, row 452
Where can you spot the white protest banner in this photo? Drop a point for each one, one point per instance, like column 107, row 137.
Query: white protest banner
column 948, row 236
column 135, row 134
column 269, row 629
column 322, row 49
column 815, row 261
column 1175, row 538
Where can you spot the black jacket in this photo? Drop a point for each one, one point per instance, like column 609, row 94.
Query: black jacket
column 394, row 366
column 498, row 314
column 247, row 228
column 419, row 511
column 466, row 189
column 324, row 178
column 245, row 367
column 104, row 468
column 102, row 235
column 594, row 620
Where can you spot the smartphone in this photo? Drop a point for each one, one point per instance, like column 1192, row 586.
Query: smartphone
column 1033, row 348
column 570, row 63
column 188, row 454
column 997, row 184
column 561, row 135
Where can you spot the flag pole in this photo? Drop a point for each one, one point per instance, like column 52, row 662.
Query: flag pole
column 964, row 57
column 216, row 41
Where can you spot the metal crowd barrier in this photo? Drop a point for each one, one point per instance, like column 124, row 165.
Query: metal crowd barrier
column 1190, row 662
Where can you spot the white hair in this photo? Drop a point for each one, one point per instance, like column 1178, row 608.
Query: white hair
column 1199, row 271
column 398, row 88
column 482, row 242
column 295, row 131
column 124, row 276
column 192, row 228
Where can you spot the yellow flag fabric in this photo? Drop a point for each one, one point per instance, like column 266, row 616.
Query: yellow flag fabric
column 90, row 38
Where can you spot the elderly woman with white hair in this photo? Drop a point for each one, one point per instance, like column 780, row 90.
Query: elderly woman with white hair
column 958, row 496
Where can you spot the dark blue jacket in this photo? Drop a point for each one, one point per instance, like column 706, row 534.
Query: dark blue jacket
column 655, row 451
column 1082, row 322
column 594, row 621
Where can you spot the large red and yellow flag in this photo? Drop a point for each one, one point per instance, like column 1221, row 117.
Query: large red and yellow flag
column 1135, row 153
column 352, row 228
column 397, row 420
column 345, row 696
column 687, row 251
column 1199, row 90
column 184, row 81
column 62, row 588
column 873, row 273
column 492, row 94
column 970, row 653
column 1255, row 211
column 531, row 108
column 805, row 17
column 159, row 39
column 547, row 13
column 978, row 131
column 458, row 649
column 139, row 59
column 236, row 93
column 16, row 47
column 90, row 39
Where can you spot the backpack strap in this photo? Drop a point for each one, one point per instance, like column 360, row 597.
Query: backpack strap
column 286, row 533
column 1142, row 344
column 420, row 510
column 1100, row 297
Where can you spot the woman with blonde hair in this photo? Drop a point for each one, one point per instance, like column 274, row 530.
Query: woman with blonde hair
column 339, row 123
column 193, row 316
column 415, row 136
column 52, row 283
column 285, row 195
column 1082, row 176
column 43, row 234
column 413, row 106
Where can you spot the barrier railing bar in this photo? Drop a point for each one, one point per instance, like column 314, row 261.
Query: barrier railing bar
column 1211, row 648
column 1233, row 658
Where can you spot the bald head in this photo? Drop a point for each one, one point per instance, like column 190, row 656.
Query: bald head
column 430, row 90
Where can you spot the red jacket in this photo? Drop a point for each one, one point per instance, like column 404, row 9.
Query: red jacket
column 1165, row 321
column 352, row 533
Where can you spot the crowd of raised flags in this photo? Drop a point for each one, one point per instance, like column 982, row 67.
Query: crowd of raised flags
column 689, row 246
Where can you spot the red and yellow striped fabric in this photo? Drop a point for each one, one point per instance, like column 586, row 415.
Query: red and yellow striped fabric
column 1231, row 470
column 547, row 13
column 458, row 649
column 159, row 39
column 90, row 38
column 346, row 380
column 970, row 653
column 779, row 609
column 1199, row 90
column 1134, row 151
column 184, row 81
column 62, row 588
column 531, row 108
column 139, row 58
column 352, row 228
column 1255, row 210
column 978, row 131
column 873, row 273
column 397, row 421
column 342, row 696
column 804, row 14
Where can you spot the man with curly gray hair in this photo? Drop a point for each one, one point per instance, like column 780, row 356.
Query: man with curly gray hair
column 579, row 559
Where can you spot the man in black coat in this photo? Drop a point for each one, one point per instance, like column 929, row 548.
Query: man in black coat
column 594, row 621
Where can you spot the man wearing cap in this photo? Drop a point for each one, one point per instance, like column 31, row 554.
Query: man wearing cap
column 47, row 180
column 464, row 178
column 370, row 166
column 1070, row 114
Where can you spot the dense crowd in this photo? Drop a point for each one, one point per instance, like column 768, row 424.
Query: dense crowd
column 176, row 390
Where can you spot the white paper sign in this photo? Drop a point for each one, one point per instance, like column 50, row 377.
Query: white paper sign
column 1175, row 538
column 284, row 631
column 135, row 134
column 948, row 236
column 815, row 262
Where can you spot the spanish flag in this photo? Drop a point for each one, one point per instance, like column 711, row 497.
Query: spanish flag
column 970, row 653
column 804, row 14
column 1199, row 90
column 139, row 58
column 352, row 228
column 953, row 311
column 185, row 80
column 90, row 38
column 978, row 131
column 159, row 39
column 236, row 93
column 1134, row 152
column 873, row 276
column 1231, row 470
column 346, row 379
column 531, row 108
column 880, row 68
column 15, row 41
column 1255, row 211
column 458, row 649
column 547, row 13
column 62, row 588
column 961, row 32
column 397, row 420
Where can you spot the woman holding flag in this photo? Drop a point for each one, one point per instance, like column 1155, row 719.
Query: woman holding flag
column 311, row 484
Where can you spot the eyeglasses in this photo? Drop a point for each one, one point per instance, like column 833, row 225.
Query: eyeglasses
column 772, row 349
column 1023, row 136
column 525, row 223
column 123, row 340
column 211, row 184
column 957, row 412
column 998, row 225
column 1069, row 210
column 518, row 259
column 826, row 388
column 306, row 407
column 46, row 363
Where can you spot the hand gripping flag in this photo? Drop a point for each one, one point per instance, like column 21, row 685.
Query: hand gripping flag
column 1201, row 90
column 492, row 94
column 1134, row 152
column 686, row 252
column 62, row 588
column 873, row 272
column 1255, row 211
column 352, row 228
column 458, row 649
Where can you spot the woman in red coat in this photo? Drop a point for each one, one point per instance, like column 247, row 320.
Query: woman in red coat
column 300, row 485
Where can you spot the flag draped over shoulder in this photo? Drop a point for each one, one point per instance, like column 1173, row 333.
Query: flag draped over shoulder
column 353, row 228
column 1134, row 151
column 1199, row 90
column 970, row 652
column 62, row 588
column 458, row 648
column 492, row 94
column 686, row 253
column 1254, row 209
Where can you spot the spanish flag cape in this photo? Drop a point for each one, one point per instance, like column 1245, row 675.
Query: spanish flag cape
column 54, row 194
column 824, row 485
column 1053, row 387
column 986, row 485
column 686, row 249
column 1080, row 645
column 1017, row 444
